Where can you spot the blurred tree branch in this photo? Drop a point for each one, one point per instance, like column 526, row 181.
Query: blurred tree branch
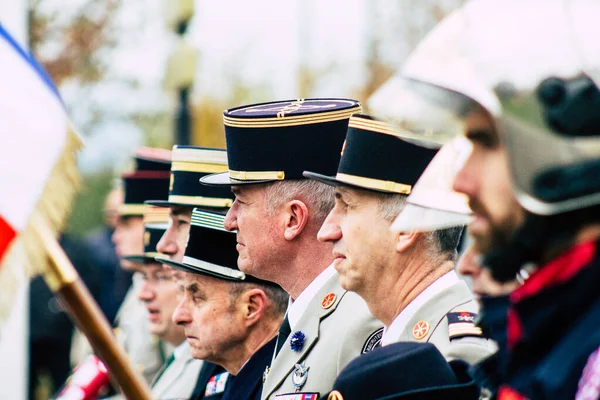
column 71, row 47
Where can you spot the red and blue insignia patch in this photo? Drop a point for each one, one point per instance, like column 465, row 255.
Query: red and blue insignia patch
column 462, row 324
column 216, row 384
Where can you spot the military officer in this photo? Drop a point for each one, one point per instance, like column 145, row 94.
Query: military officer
column 407, row 279
column 189, row 164
column 145, row 350
column 277, row 214
column 160, row 294
column 230, row 318
column 530, row 109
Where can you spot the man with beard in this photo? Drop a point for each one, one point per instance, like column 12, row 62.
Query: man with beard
column 406, row 278
column 277, row 214
column 530, row 108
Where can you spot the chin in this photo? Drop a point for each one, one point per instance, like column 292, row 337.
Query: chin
column 347, row 283
column 247, row 267
column 156, row 330
column 197, row 354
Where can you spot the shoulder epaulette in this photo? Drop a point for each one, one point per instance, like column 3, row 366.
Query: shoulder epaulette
column 461, row 324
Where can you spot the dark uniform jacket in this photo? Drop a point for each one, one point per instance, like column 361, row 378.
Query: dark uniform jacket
column 553, row 325
column 246, row 385
column 208, row 371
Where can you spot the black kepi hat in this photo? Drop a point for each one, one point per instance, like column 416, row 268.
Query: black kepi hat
column 274, row 141
column 151, row 183
column 152, row 159
column 404, row 370
column 375, row 157
column 156, row 221
column 211, row 249
column 189, row 164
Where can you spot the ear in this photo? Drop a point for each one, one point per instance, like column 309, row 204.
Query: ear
column 296, row 218
column 405, row 240
column 254, row 306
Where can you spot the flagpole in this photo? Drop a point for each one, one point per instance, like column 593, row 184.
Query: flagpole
column 64, row 281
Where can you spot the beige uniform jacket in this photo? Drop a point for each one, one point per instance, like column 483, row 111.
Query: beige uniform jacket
column 178, row 380
column 431, row 321
column 334, row 335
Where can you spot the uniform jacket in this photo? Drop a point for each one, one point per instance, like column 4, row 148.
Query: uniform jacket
column 207, row 372
column 247, row 384
column 457, row 298
column 178, row 379
column 333, row 337
column 553, row 327
column 146, row 352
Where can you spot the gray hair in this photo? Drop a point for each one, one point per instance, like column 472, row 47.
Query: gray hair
column 445, row 241
column 316, row 195
column 278, row 298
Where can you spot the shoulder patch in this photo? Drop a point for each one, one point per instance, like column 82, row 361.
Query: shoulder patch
column 373, row 341
column 461, row 324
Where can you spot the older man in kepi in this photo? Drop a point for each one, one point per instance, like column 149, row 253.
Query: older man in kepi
column 277, row 214
column 189, row 164
column 230, row 318
column 160, row 294
column 406, row 278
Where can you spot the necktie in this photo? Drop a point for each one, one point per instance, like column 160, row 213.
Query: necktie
column 284, row 332
column 169, row 362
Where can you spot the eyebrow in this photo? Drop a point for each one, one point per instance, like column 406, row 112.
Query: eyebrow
column 480, row 135
column 192, row 287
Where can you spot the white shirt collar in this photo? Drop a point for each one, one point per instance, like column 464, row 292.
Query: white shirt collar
column 297, row 308
column 181, row 350
column 392, row 332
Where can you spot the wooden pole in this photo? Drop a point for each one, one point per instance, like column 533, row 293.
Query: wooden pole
column 63, row 280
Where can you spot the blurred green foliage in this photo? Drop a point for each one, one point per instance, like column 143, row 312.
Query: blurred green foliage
column 87, row 209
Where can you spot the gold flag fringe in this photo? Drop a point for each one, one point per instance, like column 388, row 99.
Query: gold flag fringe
column 27, row 256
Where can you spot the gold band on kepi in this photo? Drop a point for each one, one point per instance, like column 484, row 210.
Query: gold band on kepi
column 131, row 210
column 375, row 184
column 197, row 167
column 200, row 201
column 374, row 158
column 257, row 175
column 190, row 164
column 276, row 141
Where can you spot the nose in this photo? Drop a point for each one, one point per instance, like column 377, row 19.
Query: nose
column 230, row 222
column 168, row 242
column 181, row 315
column 330, row 230
column 116, row 234
column 145, row 292
column 465, row 180
column 468, row 264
